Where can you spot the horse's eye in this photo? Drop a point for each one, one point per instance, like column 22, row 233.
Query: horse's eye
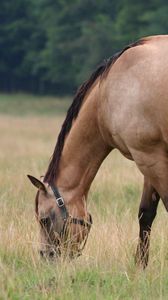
column 45, row 222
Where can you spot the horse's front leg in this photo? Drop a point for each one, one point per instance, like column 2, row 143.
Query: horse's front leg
column 147, row 213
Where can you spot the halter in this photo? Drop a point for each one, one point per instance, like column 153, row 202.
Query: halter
column 67, row 217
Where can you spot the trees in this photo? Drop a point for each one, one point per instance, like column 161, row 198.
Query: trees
column 51, row 46
column 20, row 41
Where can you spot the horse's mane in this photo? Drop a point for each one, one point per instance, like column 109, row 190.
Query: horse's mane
column 74, row 109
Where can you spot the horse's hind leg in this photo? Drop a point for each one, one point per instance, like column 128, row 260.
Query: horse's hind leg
column 147, row 213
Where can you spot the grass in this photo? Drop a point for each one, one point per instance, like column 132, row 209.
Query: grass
column 21, row 104
column 106, row 269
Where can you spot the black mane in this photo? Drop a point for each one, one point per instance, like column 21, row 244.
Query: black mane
column 74, row 109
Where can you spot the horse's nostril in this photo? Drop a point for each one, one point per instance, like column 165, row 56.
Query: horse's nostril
column 51, row 254
column 45, row 254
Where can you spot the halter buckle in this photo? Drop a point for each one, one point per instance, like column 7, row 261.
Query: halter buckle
column 60, row 201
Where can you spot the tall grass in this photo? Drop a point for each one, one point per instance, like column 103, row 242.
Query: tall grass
column 106, row 269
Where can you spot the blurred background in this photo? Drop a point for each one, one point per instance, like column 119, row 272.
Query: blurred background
column 51, row 46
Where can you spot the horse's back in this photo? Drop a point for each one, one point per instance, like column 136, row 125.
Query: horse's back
column 136, row 96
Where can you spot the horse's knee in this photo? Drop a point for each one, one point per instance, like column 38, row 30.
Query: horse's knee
column 146, row 217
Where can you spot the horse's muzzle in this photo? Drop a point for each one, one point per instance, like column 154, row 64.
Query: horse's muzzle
column 48, row 254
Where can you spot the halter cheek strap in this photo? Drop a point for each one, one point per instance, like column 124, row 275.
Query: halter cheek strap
column 60, row 203
column 64, row 213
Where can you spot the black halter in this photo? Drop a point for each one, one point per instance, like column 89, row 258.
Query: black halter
column 65, row 215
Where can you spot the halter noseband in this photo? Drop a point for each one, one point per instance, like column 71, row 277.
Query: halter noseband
column 65, row 215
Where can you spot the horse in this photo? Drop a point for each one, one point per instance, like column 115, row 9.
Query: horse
column 124, row 106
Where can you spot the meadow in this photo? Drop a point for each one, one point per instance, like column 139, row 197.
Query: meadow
column 28, row 129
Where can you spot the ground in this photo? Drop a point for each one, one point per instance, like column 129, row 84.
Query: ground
column 28, row 130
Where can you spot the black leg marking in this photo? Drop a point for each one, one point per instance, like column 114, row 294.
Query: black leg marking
column 147, row 213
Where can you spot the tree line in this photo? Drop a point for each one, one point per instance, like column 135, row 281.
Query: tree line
column 51, row 46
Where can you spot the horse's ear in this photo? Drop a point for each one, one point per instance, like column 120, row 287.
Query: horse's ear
column 37, row 183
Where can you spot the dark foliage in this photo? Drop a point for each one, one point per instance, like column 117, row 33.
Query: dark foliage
column 49, row 46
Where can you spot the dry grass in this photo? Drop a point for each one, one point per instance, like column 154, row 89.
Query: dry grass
column 106, row 270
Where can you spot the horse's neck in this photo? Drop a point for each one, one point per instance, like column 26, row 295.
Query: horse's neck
column 83, row 153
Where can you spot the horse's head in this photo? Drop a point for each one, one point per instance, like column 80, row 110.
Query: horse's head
column 60, row 233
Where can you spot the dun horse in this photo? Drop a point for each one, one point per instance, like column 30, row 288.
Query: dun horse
column 123, row 105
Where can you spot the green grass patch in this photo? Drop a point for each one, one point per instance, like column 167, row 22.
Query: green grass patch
column 24, row 104
column 63, row 282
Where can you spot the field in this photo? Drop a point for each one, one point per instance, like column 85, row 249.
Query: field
column 28, row 130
